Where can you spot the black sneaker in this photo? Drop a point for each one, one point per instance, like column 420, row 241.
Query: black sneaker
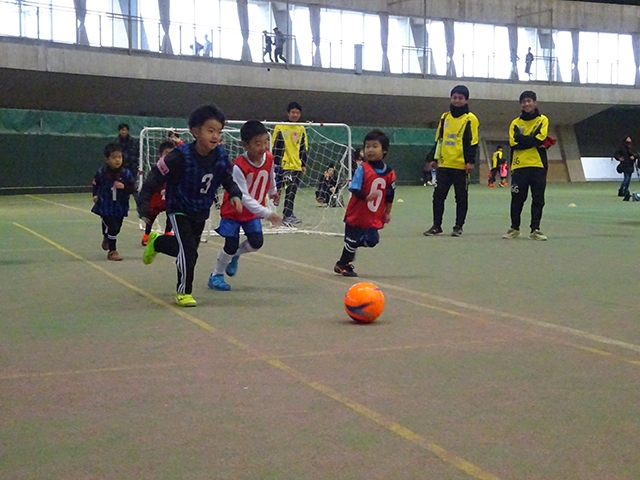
column 457, row 232
column 433, row 231
column 345, row 270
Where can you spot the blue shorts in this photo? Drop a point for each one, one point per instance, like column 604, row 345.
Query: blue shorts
column 360, row 237
column 231, row 228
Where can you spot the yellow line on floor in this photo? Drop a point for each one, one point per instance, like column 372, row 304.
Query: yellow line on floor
column 13, row 376
column 448, row 457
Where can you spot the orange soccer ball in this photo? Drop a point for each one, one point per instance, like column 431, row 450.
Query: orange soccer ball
column 364, row 302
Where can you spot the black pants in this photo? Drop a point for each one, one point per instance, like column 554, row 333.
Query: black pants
column 183, row 245
column 492, row 175
column 278, row 52
column 523, row 179
column 111, row 226
column 291, row 179
column 446, row 178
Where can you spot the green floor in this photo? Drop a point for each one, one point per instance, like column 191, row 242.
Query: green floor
column 493, row 359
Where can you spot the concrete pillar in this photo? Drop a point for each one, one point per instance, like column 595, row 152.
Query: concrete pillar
column 568, row 143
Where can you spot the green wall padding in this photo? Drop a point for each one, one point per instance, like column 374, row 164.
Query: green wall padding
column 58, row 151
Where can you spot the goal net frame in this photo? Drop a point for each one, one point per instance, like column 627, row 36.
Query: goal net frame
column 318, row 218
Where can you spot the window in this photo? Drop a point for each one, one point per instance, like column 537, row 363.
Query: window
column 482, row 50
column 401, row 49
column 302, row 41
column 606, row 58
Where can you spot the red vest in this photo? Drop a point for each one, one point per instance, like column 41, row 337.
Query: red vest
column 258, row 182
column 370, row 214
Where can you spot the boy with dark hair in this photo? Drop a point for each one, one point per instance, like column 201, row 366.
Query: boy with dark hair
column 253, row 172
column 192, row 172
column 112, row 186
column 369, row 209
column 157, row 202
column 130, row 148
column 327, row 184
column 528, row 137
column 458, row 134
column 290, row 146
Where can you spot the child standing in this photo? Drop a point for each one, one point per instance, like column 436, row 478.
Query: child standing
column 157, row 202
column 369, row 209
column 112, row 186
column 496, row 162
column 254, row 173
column 290, row 147
column 192, row 173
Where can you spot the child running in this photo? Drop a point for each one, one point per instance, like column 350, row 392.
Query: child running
column 254, row 173
column 157, row 202
column 112, row 186
column 192, row 173
column 373, row 188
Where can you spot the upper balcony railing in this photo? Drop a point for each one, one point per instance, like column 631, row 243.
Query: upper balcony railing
column 101, row 29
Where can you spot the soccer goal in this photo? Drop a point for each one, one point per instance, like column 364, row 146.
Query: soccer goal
column 329, row 144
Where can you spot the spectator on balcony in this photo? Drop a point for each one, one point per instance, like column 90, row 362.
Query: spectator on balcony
column 528, row 61
column 198, row 48
column 208, row 47
column 268, row 42
column 280, row 41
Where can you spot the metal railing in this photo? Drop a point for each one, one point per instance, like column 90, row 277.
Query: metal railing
column 60, row 24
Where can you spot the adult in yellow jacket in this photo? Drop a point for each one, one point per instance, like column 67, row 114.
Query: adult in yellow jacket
column 528, row 139
column 458, row 135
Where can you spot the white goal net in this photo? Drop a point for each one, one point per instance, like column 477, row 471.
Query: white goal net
column 329, row 145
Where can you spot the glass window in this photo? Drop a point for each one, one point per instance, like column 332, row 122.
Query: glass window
column 150, row 14
column 564, row 54
column 372, row 51
column 501, row 61
column 11, row 23
column 230, row 33
column 606, row 58
column 330, row 33
column 106, row 24
column 261, row 19
column 352, row 29
column 403, row 56
column 438, row 47
column 482, row 50
column 302, row 41
column 182, row 31
column 48, row 20
column 626, row 65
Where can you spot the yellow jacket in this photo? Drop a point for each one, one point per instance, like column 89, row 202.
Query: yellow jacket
column 290, row 145
column 525, row 138
column 459, row 140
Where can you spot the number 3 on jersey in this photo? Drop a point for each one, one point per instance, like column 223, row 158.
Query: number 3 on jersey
column 207, row 181
column 378, row 188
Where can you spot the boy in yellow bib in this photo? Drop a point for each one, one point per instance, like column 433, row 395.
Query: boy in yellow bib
column 290, row 147
column 527, row 136
column 456, row 158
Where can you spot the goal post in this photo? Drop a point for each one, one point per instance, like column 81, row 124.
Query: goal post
column 329, row 145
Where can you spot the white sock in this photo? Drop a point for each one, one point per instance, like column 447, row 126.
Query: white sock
column 245, row 248
column 222, row 261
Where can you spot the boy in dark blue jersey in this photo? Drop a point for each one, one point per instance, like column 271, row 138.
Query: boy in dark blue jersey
column 192, row 173
column 113, row 184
